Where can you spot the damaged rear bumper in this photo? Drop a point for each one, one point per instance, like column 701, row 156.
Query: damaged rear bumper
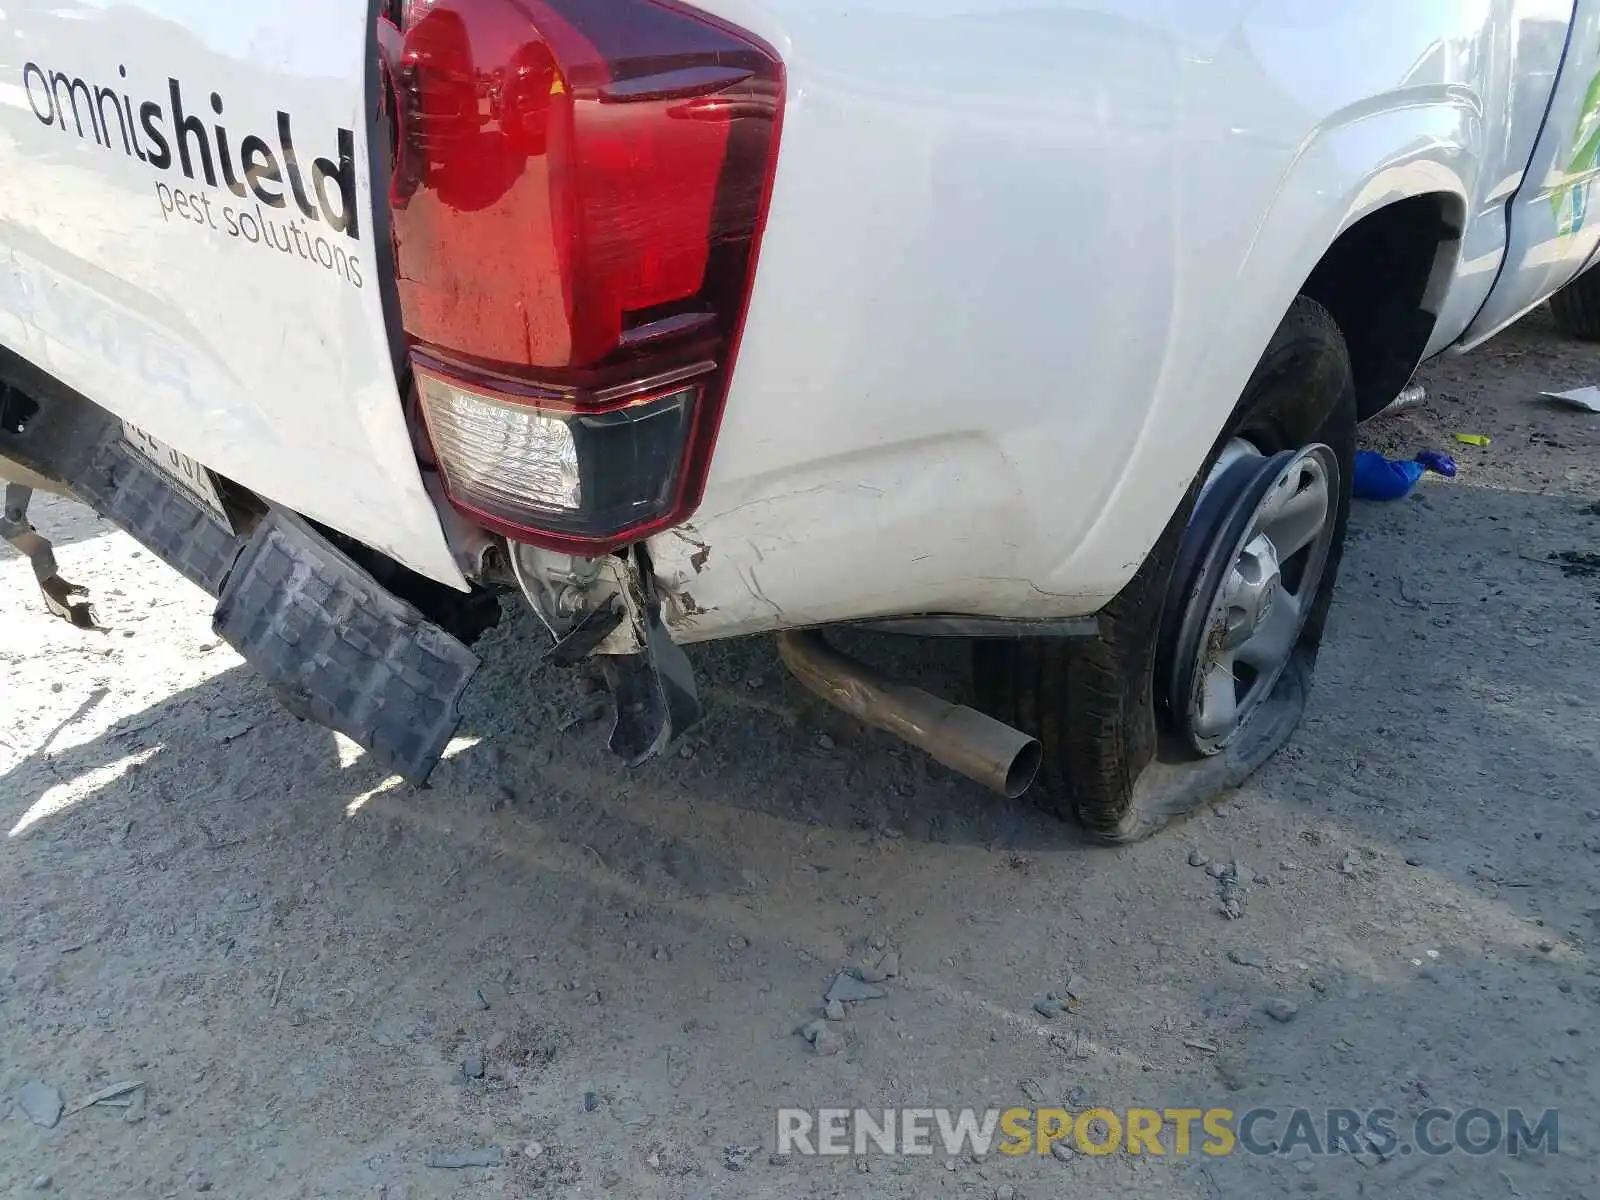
column 335, row 645
column 340, row 648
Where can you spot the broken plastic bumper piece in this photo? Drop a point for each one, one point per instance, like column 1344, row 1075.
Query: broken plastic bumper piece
column 334, row 644
column 339, row 649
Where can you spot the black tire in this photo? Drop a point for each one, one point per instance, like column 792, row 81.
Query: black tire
column 1576, row 308
column 1110, row 754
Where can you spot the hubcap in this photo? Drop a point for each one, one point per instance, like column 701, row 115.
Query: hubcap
column 1250, row 618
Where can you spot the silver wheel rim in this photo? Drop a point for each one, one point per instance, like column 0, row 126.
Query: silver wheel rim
column 1255, row 615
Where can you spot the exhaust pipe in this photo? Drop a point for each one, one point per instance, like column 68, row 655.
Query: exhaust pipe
column 1001, row 758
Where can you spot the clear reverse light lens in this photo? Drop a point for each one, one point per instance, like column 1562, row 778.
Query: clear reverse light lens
column 501, row 459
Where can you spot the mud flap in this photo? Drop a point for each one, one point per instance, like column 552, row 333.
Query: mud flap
column 654, row 692
column 341, row 650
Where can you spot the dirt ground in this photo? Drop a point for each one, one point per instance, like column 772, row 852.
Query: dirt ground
column 322, row 977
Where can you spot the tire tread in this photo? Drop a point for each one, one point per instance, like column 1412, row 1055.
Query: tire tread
column 1576, row 308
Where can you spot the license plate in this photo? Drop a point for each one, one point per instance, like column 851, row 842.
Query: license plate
column 188, row 476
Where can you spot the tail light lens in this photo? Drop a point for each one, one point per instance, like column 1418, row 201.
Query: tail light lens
column 577, row 196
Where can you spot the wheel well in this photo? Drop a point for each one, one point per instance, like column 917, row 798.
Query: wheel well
column 1382, row 281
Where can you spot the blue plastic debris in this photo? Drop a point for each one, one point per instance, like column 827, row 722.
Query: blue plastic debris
column 1380, row 478
column 1438, row 462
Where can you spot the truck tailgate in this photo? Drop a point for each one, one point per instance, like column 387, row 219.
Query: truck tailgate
column 187, row 237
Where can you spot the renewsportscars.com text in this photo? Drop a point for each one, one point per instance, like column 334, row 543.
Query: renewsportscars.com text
column 1379, row 1133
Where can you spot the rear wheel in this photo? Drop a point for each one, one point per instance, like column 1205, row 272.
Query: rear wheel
column 1576, row 308
column 1205, row 658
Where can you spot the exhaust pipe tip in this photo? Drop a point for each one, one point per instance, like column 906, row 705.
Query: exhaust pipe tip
column 1024, row 769
column 969, row 742
column 1003, row 759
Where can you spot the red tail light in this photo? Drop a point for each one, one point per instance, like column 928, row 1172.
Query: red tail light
column 577, row 197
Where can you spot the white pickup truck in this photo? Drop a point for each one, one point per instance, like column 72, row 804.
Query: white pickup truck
column 1046, row 326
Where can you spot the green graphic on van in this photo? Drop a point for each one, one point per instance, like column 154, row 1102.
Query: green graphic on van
column 1571, row 200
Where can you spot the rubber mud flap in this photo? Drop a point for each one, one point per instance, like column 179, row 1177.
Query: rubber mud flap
column 341, row 650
